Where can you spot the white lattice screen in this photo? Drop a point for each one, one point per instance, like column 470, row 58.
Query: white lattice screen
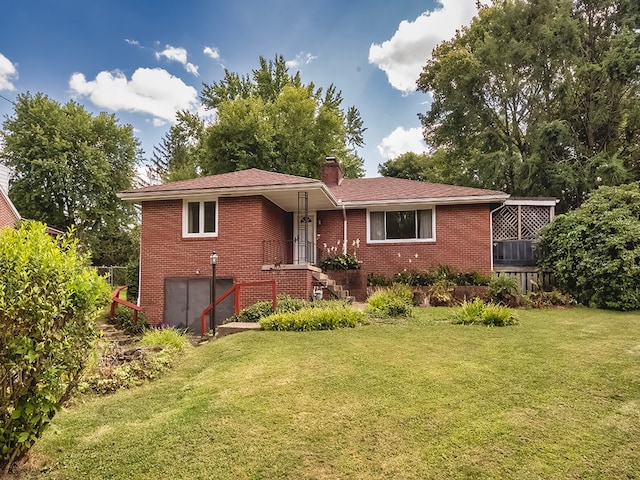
column 505, row 223
column 519, row 222
column 532, row 219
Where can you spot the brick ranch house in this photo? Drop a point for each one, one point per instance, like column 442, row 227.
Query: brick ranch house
column 266, row 225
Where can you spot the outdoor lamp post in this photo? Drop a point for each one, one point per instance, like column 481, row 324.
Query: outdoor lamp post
column 213, row 258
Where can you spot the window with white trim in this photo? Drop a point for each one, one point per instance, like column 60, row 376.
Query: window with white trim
column 200, row 218
column 401, row 225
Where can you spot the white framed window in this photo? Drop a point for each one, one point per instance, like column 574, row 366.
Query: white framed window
column 406, row 225
column 200, row 218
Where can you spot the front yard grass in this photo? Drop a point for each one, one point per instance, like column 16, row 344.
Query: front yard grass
column 557, row 396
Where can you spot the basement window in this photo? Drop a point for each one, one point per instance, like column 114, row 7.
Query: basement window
column 200, row 218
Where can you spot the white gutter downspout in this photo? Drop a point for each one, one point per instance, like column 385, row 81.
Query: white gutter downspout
column 344, row 240
column 140, row 269
column 491, row 230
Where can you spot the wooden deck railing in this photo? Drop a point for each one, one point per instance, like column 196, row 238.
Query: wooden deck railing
column 514, row 253
column 235, row 289
column 116, row 300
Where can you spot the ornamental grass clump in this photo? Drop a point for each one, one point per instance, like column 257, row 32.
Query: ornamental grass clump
column 477, row 312
column 395, row 301
column 166, row 338
column 310, row 318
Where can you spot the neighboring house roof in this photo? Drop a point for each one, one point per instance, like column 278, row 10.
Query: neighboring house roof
column 361, row 192
column 8, row 213
column 390, row 190
column 4, row 178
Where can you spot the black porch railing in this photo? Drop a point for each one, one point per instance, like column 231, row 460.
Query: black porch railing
column 288, row 252
column 519, row 253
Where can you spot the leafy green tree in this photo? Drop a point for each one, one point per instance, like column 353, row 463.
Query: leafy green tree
column 68, row 166
column 594, row 250
column 423, row 167
column 49, row 298
column 177, row 156
column 539, row 98
column 271, row 120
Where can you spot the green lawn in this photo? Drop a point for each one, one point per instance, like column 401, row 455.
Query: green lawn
column 557, row 396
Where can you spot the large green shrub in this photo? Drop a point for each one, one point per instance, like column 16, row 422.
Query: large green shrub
column 49, row 298
column 395, row 301
column 313, row 319
column 594, row 250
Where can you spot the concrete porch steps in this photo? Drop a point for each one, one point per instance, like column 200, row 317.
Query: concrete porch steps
column 235, row 327
column 337, row 290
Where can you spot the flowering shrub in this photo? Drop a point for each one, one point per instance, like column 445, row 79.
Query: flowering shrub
column 345, row 261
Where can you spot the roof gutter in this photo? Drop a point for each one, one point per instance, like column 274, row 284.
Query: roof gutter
column 432, row 200
column 137, row 196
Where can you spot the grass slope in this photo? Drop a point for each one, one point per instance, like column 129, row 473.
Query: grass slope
column 556, row 397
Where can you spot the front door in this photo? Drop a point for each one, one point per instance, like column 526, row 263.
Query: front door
column 304, row 232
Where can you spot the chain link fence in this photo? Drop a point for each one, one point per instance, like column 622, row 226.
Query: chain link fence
column 116, row 275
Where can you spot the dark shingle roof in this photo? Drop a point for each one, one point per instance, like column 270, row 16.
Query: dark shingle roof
column 355, row 192
column 398, row 189
column 252, row 177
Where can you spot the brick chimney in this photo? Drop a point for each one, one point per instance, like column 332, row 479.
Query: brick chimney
column 331, row 172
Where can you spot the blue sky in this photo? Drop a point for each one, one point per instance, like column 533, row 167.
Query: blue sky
column 143, row 61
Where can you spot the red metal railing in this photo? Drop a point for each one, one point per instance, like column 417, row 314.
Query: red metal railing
column 235, row 289
column 115, row 300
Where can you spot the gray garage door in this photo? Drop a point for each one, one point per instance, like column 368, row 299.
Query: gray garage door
column 186, row 298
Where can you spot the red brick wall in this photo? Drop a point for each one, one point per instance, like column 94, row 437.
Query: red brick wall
column 463, row 242
column 462, row 232
column 243, row 223
column 7, row 217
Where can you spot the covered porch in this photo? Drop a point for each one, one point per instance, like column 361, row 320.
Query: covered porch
column 515, row 226
column 299, row 246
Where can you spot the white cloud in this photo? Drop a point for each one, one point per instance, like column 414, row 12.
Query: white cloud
column 303, row 58
column 403, row 56
column 135, row 43
column 150, row 90
column 8, row 71
column 402, row 141
column 212, row 52
column 191, row 68
column 180, row 55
